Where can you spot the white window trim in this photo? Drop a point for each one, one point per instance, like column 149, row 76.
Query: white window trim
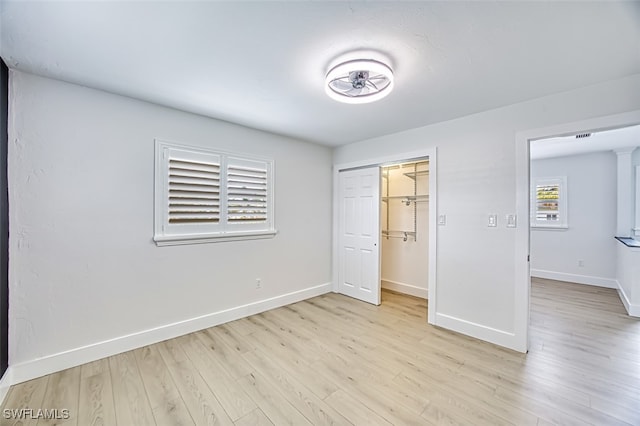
column 223, row 232
column 563, row 209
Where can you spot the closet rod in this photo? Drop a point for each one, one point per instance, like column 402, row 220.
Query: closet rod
column 403, row 234
column 404, row 237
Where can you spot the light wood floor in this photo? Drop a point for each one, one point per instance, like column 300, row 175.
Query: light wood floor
column 334, row 360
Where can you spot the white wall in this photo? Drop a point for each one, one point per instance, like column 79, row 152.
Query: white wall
column 628, row 259
column 591, row 189
column 83, row 266
column 628, row 275
column 476, row 272
column 404, row 264
column 635, row 184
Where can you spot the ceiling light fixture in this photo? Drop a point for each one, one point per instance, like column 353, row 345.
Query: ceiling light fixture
column 359, row 81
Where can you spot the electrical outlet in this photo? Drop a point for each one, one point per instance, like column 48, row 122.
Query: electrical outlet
column 258, row 283
column 493, row 220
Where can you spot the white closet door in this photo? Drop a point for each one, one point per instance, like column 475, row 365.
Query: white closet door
column 359, row 234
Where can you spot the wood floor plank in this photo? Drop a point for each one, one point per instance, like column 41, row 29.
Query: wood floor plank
column 329, row 345
column 354, row 411
column 625, row 411
column 317, row 383
column 305, row 401
column 231, row 337
column 167, row 405
column 334, row 360
column 204, row 407
column 224, row 353
column 96, row 406
column 21, row 397
column 277, row 409
column 92, row 368
column 466, row 402
column 130, row 397
column 488, row 373
column 387, row 406
column 229, row 393
column 172, row 351
column 62, row 394
column 286, row 360
column 243, row 326
column 303, row 347
column 254, row 418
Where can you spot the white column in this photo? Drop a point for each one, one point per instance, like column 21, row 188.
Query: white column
column 625, row 217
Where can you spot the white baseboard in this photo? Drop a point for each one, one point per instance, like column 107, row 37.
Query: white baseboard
column 575, row 278
column 42, row 366
column 632, row 309
column 5, row 384
column 405, row 288
column 482, row 332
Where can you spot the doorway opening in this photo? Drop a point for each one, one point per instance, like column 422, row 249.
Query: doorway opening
column 385, row 236
column 582, row 196
column 404, row 223
column 525, row 206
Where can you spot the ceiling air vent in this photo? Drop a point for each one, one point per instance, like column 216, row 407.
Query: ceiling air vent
column 583, row 135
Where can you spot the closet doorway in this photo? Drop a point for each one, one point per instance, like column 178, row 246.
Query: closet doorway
column 385, row 228
column 404, row 214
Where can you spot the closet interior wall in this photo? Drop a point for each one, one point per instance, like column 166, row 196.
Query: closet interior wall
column 405, row 228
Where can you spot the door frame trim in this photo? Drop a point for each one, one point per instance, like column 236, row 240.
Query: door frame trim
column 4, row 219
column 522, row 278
column 402, row 157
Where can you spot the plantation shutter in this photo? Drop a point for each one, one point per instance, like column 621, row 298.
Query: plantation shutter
column 206, row 196
column 549, row 203
column 247, row 186
column 194, row 191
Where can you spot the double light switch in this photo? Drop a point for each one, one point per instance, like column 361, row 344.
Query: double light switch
column 510, row 219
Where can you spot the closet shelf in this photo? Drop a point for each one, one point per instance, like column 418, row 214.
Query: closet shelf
column 388, row 232
column 407, row 199
column 414, row 175
column 399, row 234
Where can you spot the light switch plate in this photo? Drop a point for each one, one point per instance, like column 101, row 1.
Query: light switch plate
column 442, row 219
column 511, row 221
column 493, row 220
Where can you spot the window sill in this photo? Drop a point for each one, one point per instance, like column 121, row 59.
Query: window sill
column 176, row 240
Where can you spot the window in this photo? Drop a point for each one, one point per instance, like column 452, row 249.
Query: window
column 549, row 203
column 208, row 196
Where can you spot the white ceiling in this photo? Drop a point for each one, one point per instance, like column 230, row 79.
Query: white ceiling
column 262, row 64
column 626, row 137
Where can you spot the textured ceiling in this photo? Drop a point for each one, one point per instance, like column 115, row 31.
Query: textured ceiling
column 262, row 64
